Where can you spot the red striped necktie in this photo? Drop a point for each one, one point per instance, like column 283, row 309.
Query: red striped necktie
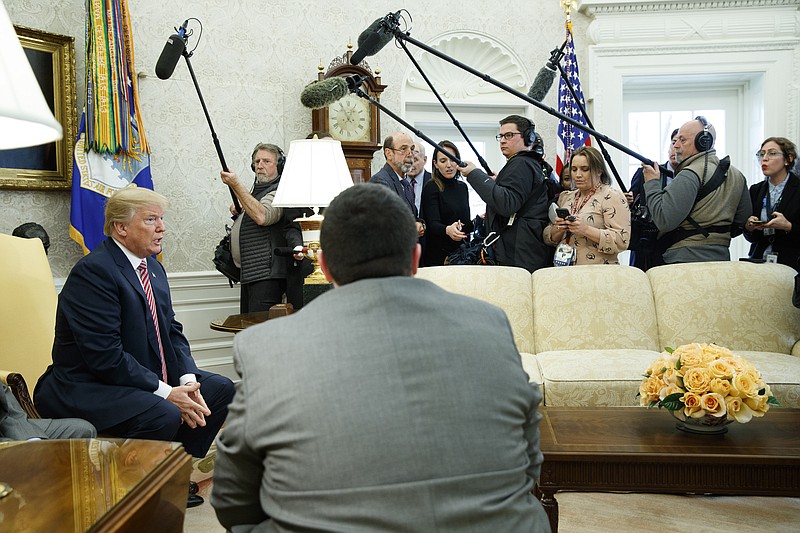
column 151, row 300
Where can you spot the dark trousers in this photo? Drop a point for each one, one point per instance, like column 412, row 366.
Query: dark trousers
column 261, row 295
column 163, row 421
column 295, row 280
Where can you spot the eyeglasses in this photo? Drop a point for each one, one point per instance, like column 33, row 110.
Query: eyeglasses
column 403, row 149
column 772, row 154
column 507, row 136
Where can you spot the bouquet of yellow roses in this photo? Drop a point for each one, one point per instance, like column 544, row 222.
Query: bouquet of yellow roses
column 706, row 381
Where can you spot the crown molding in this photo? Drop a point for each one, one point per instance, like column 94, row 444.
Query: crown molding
column 634, row 29
column 709, row 48
column 597, row 7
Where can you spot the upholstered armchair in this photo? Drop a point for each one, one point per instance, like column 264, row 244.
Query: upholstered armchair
column 28, row 303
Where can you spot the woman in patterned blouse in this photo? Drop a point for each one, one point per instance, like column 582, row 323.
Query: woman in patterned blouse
column 599, row 223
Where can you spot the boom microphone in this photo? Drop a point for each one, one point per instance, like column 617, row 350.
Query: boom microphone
column 322, row 93
column 173, row 49
column 542, row 83
column 375, row 37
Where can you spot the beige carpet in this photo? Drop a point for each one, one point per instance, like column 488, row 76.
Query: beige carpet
column 627, row 513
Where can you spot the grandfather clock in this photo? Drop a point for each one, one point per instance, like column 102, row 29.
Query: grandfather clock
column 352, row 120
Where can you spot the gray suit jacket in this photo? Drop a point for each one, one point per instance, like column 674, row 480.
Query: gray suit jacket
column 384, row 405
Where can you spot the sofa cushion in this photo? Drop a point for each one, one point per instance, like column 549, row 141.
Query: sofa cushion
column 593, row 306
column 531, row 366
column 781, row 372
column 509, row 288
column 593, row 378
column 736, row 304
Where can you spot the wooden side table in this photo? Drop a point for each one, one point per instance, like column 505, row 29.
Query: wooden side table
column 236, row 323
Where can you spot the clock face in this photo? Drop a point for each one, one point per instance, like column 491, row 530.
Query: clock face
column 349, row 119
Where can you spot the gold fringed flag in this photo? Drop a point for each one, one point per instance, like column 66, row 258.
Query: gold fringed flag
column 111, row 151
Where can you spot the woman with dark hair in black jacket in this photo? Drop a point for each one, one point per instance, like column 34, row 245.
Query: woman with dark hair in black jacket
column 445, row 205
column 774, row 227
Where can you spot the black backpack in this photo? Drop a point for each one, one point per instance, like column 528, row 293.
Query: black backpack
column 223, row 259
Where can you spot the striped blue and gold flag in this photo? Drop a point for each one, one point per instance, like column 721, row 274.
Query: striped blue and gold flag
column 111, row 151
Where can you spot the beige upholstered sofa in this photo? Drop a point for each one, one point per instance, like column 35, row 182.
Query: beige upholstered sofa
column 587, row 333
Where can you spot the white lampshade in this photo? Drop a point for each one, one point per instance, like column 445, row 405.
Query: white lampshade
column 315, row 172
column 25, row 118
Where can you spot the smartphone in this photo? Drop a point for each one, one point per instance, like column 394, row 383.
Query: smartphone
column 562, row 212
column 760, row 222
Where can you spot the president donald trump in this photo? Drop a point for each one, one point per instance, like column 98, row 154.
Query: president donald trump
column 120, row 359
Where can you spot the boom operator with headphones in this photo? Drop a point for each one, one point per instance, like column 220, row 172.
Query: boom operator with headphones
column 270, row 148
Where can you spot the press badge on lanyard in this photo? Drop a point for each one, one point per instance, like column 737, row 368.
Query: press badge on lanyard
column 564, row 256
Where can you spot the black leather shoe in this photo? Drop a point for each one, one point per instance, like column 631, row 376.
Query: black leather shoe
column 193, row 488
column 194, row 500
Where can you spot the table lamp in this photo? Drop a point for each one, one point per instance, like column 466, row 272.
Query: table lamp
column 315, row 172
column 25, row 117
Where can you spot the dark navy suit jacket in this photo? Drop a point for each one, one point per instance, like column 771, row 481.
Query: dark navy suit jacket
column 106, row 362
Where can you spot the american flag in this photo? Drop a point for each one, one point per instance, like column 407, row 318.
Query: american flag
column 570, row 138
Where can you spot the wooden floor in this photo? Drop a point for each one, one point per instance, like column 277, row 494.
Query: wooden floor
column 630, row 513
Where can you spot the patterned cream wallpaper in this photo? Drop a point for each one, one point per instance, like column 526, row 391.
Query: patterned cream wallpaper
column 252, row 62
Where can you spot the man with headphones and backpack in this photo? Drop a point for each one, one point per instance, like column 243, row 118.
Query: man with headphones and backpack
column 706, row 204
column 259, row 230
column 516, row 200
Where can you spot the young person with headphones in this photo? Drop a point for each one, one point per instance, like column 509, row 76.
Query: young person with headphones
column 516, row 200
column 261, row 228
column 705, row 205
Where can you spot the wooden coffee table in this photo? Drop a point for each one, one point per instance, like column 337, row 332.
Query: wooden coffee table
column 633, row 449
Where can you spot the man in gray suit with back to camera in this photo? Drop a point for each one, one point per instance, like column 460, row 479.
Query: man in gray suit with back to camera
column 386, row 404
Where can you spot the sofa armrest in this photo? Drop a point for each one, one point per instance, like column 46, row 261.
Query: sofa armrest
column 796, row 349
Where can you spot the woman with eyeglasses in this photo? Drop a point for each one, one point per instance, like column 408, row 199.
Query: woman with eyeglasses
column 774, row 228
column 445, row 204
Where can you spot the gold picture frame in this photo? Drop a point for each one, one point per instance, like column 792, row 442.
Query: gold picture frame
column 48, row 166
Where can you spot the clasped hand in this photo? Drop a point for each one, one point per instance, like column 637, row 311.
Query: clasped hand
column 190, row 402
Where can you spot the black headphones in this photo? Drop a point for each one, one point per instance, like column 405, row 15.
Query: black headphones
column 704, row 140
column 538, row 145
column 529, row 135
column 270, row 148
